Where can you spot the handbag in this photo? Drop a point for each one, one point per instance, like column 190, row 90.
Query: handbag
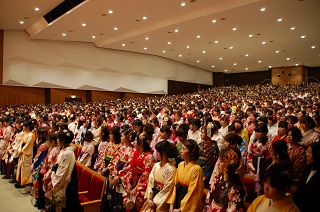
column 58, row 197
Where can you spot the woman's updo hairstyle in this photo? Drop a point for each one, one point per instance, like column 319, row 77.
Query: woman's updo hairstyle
column 193, row 148
column 65, row 136
column 168, row 148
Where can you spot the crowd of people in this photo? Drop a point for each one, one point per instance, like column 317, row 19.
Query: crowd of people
column 175, row 153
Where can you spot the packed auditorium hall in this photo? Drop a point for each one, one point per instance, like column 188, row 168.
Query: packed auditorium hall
column 159, row 106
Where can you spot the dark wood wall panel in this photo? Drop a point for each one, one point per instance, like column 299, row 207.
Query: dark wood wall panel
column 103, row 95
column 1, row 55
column 288, row 75
column 248, row 78
column 177, row 87
column 313, row 74
column 11, row 95
column 138, row 95
column 59, row 95
column 218, row 79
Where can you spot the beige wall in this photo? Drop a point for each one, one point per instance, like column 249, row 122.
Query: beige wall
column 291, row 75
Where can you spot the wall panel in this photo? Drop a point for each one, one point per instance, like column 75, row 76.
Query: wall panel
column 248, row 78
column 288, row 75
column 103, row 95
column 177, row 87
column 59, row 95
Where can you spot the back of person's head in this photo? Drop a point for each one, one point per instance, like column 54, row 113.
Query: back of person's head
column 193, row 148
column 65, row 136
column 293, row 119
column 280, row 147
column 283, row 124
column 195, row 122
column 144, row 140
column 52, row 137
column 88, row 136
column 263, row 119
column 137, row 122
column 279, row 176
column 149, row 129
column 233, row 139
column 168, row 148
column 105, row 133
column 308, row 121
column 261, row 128
column 115, row 131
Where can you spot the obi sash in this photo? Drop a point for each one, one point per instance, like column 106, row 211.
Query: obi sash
column 120, row 165
column 181, row 191
column 156, row 188
column 137, row 172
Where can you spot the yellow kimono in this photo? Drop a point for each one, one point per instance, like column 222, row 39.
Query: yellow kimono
column 163, row 177
column 262, row 204
column 24, row 175
column 191, row 175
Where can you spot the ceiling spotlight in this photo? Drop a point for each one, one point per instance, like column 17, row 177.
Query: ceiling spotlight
column 246, row 69
column 292, row 28
column 180, row 55
column 250, row 36
column 123, row 44
column 110, row 11
column 212, row 66
column 84, row 24
column 169, row 42
column 164, row 51
column 263, row 42
column 144, row 17
column 183, row 4
column 234, row 29
column 234, row 64
column 279, row 19
column 198, row 61
column 225, row 70
column 277, row 51
column 270, row 66
column 313, row 47
column 231, row 47
column 21, row 22
column 303, row 36
column 214, row 21
column 259, row 61
column 203, row 52
column 216, row 41
column 198, row 36
column 145, row 48
column 176, row 30
column 36, row 8
column 220, row 58
column 64, row 34
column 288, row 58
column 246, row 55
column 147, row 38
column 93, row 36
column 115, row 28
column 188, row 47
column 297, row 64
column 262, row 9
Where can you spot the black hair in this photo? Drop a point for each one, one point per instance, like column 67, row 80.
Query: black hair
column 281, row 148
column 88, row 136
column 195, row 122
column 262, row 128
column 233, row 139
column 193, row 148
column 296, row 134
column 279, row 176
column 105, row 133
column 42, row 135
column 293, row 118
column 165, row 129
column 52, row 137
column 149, row 129
column 263, row 119
column 308, row 121
column 168, row 148
column 144, row 139
column 65, row 136
column 115, row 131
column 283, row 124
column 137, row 122
column 315, row 147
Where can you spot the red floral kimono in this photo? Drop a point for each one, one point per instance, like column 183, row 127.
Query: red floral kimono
column 138, row 176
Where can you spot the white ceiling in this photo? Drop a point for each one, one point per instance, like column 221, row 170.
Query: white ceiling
column 237, row 50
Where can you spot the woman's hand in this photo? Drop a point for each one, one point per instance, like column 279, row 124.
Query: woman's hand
column 133, row 192
column 171, row 208
column 115, row 181
column 50, row 186
column 151, row 204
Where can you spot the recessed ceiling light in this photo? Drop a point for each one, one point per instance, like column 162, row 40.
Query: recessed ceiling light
column 225, row 70
column 93, row 36
column 164, row 51
column 246, row 55
column 183, row 4
column 145, row 48
column 231, row 47
column 36, row 8
column 198, row 36
column 212, row 66
column 203, row 52
column 220, row 58
column 84, row 24
column 250, row 36
column 115, row 28
column 110, row 11
column 214, row 21
column 216, row 41
column 259, row 61
column 234, row 64
column 198, row 61
column 176, row 30
column 288, row 58
column 123, row 44
column 188, row 47
column 180, row 55
column 279, row 19
column 21, row 22
column 303, row 36
column 144, row 17
column 147, row 38
column 270, row 66
column 297, row 64
column 263, row 42
column 234, row 28
column 262, row 9
column 292, row 28
column 277, row 51
column 169, row 42
column 64, row 34
column 313, row 47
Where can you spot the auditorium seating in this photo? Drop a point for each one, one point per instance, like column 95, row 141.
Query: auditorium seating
column 91, row 186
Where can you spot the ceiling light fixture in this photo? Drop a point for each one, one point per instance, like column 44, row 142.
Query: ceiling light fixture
column 164, row 51
column 292, row 28
column 313, row 47
column 216, row 41
column 277, row 51
column 279, row 19
column 220, row 58
column 225, row 70
column 198, row 61
column 64, row 34
column 250, row 36
column 93, row 36
column 203, row 52
column 110, row 11
column 180, row 55
column 21, row 22
column 36, row 8
column 288, row 58
column 259, row 61
column 84, row 24
column 234, row 28
column 234, row 64
column 198, row 36
column 214, row 21
column 263, row 9
column 123, row 44
column 246, row 69
column 246, row 55
column 183, row 4
column 303, row 36
column 176, row 30
column 115, row 28
column 297, row 64
column 144, row 17
column 212, row 66
column 169, row 42
column 147, row 38
column 231, row 47
column 188, row 47
column 263, row 42
column 145, row 48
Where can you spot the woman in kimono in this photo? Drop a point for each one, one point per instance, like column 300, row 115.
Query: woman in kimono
column 161, row 178
column 104, row 138
column 24, row 176
column 187, row 193
column 64, row 182
column 227, row 192
column 275, row 198
column 307, row 126
column 136, row 180
column 87, row 150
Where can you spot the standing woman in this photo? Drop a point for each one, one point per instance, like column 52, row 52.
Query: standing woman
column 308, row 193
column 187, row 193
column 104, row 138
column 307, row 126
column 161, row 178
column 227, row 191
column 64, row 183
column 140, row 166
column 24, row 176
